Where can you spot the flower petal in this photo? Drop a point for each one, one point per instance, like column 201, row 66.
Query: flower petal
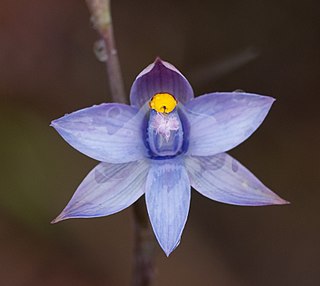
column 223, row 179
column 160, row 77
column 221, row 121
column 107, row 189
column 108, row 132
column 168, row 201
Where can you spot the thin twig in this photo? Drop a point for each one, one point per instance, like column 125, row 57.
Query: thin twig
column 212, row 71
column 101, row 18
column 144, row 250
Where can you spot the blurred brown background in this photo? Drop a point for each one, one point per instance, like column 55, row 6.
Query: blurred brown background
column 47, row 68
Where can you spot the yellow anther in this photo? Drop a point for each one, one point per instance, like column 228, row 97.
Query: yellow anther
column 163, row 102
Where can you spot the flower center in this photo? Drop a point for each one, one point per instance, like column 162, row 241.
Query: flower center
column 165, row 134
column 163, row 102
column 163, row 124
column 165, row 131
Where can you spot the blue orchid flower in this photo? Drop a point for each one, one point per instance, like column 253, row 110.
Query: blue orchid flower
column 162, row 144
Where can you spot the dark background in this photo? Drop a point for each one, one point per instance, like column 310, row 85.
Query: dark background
column 47, row 69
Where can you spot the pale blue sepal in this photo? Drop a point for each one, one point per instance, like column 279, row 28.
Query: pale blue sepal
column 224, row 179
column 109, row 132
column 107, row 189
column 168, row 201
column 220, row 121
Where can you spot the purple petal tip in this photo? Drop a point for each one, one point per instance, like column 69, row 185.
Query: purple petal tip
column 281, row 201
column 272, row 99
column 59, row 218
column 277, row 201
column 158, row 60
column 54, row 221
column 55, row 123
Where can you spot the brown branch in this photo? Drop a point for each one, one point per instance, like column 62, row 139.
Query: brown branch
column 101, row 18
column 144, row 250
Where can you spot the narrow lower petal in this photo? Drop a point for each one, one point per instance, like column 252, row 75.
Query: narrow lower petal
column 107, row 189
column 108, row 132
column 168, row 201
column 160, row 77
column 223, row 179
column 220, row 121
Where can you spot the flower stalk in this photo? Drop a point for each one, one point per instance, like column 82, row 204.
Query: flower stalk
column 102, row 21
column 144, row 246
column 144, row 249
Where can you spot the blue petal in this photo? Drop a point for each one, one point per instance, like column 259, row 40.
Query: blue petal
column 168, row 201
column 107, row 189
column 221, row 121
column 160, row 77
column 223, row 179
column 108, row 132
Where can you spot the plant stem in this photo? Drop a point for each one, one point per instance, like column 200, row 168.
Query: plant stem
column 144, row 252
column 144, row 249
column 101, row 17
